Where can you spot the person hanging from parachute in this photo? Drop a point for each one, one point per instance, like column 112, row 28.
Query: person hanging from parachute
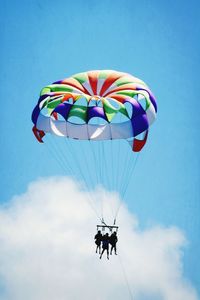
column 105, row 245
column 98, row 240
column 113, row 241
column 100, row 105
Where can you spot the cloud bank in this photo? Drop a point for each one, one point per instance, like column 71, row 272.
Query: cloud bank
column 47, row 250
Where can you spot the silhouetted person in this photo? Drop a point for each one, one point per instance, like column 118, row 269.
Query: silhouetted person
column 113, row 241
column 98, row 239
column 105, row 245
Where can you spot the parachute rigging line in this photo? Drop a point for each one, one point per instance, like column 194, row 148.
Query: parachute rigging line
column 61, row 162
column 125, row 277
column 127, row 184
column 96, row 110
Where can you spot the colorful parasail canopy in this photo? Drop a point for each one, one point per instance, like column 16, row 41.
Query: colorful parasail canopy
column 96, row 105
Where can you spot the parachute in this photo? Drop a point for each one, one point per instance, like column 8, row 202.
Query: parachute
column 103, row 107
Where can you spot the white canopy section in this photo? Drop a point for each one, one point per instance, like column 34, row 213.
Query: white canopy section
column 85, row 131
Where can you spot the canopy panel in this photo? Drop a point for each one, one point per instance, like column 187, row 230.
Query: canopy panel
column 93, row 106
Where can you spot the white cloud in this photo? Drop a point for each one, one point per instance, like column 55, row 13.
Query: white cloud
column 47, row 250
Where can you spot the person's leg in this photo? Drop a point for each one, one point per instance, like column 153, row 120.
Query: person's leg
column 98, row 247
column 102, row 253
column 107, row 253
column 111, row 250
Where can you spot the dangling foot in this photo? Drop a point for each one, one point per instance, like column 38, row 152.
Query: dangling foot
column 107, row 257
column 100, row 256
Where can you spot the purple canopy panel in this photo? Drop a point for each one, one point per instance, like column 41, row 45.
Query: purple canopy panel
column 137, row 108
column 140, row 124
column 63, row 109
column 151, row 96
column 153, row 100
column 58, row 82
column 43, row 97
column 35, row 114
column 95, row 112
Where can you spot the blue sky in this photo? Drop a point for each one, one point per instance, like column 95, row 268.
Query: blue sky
column 157, row 41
